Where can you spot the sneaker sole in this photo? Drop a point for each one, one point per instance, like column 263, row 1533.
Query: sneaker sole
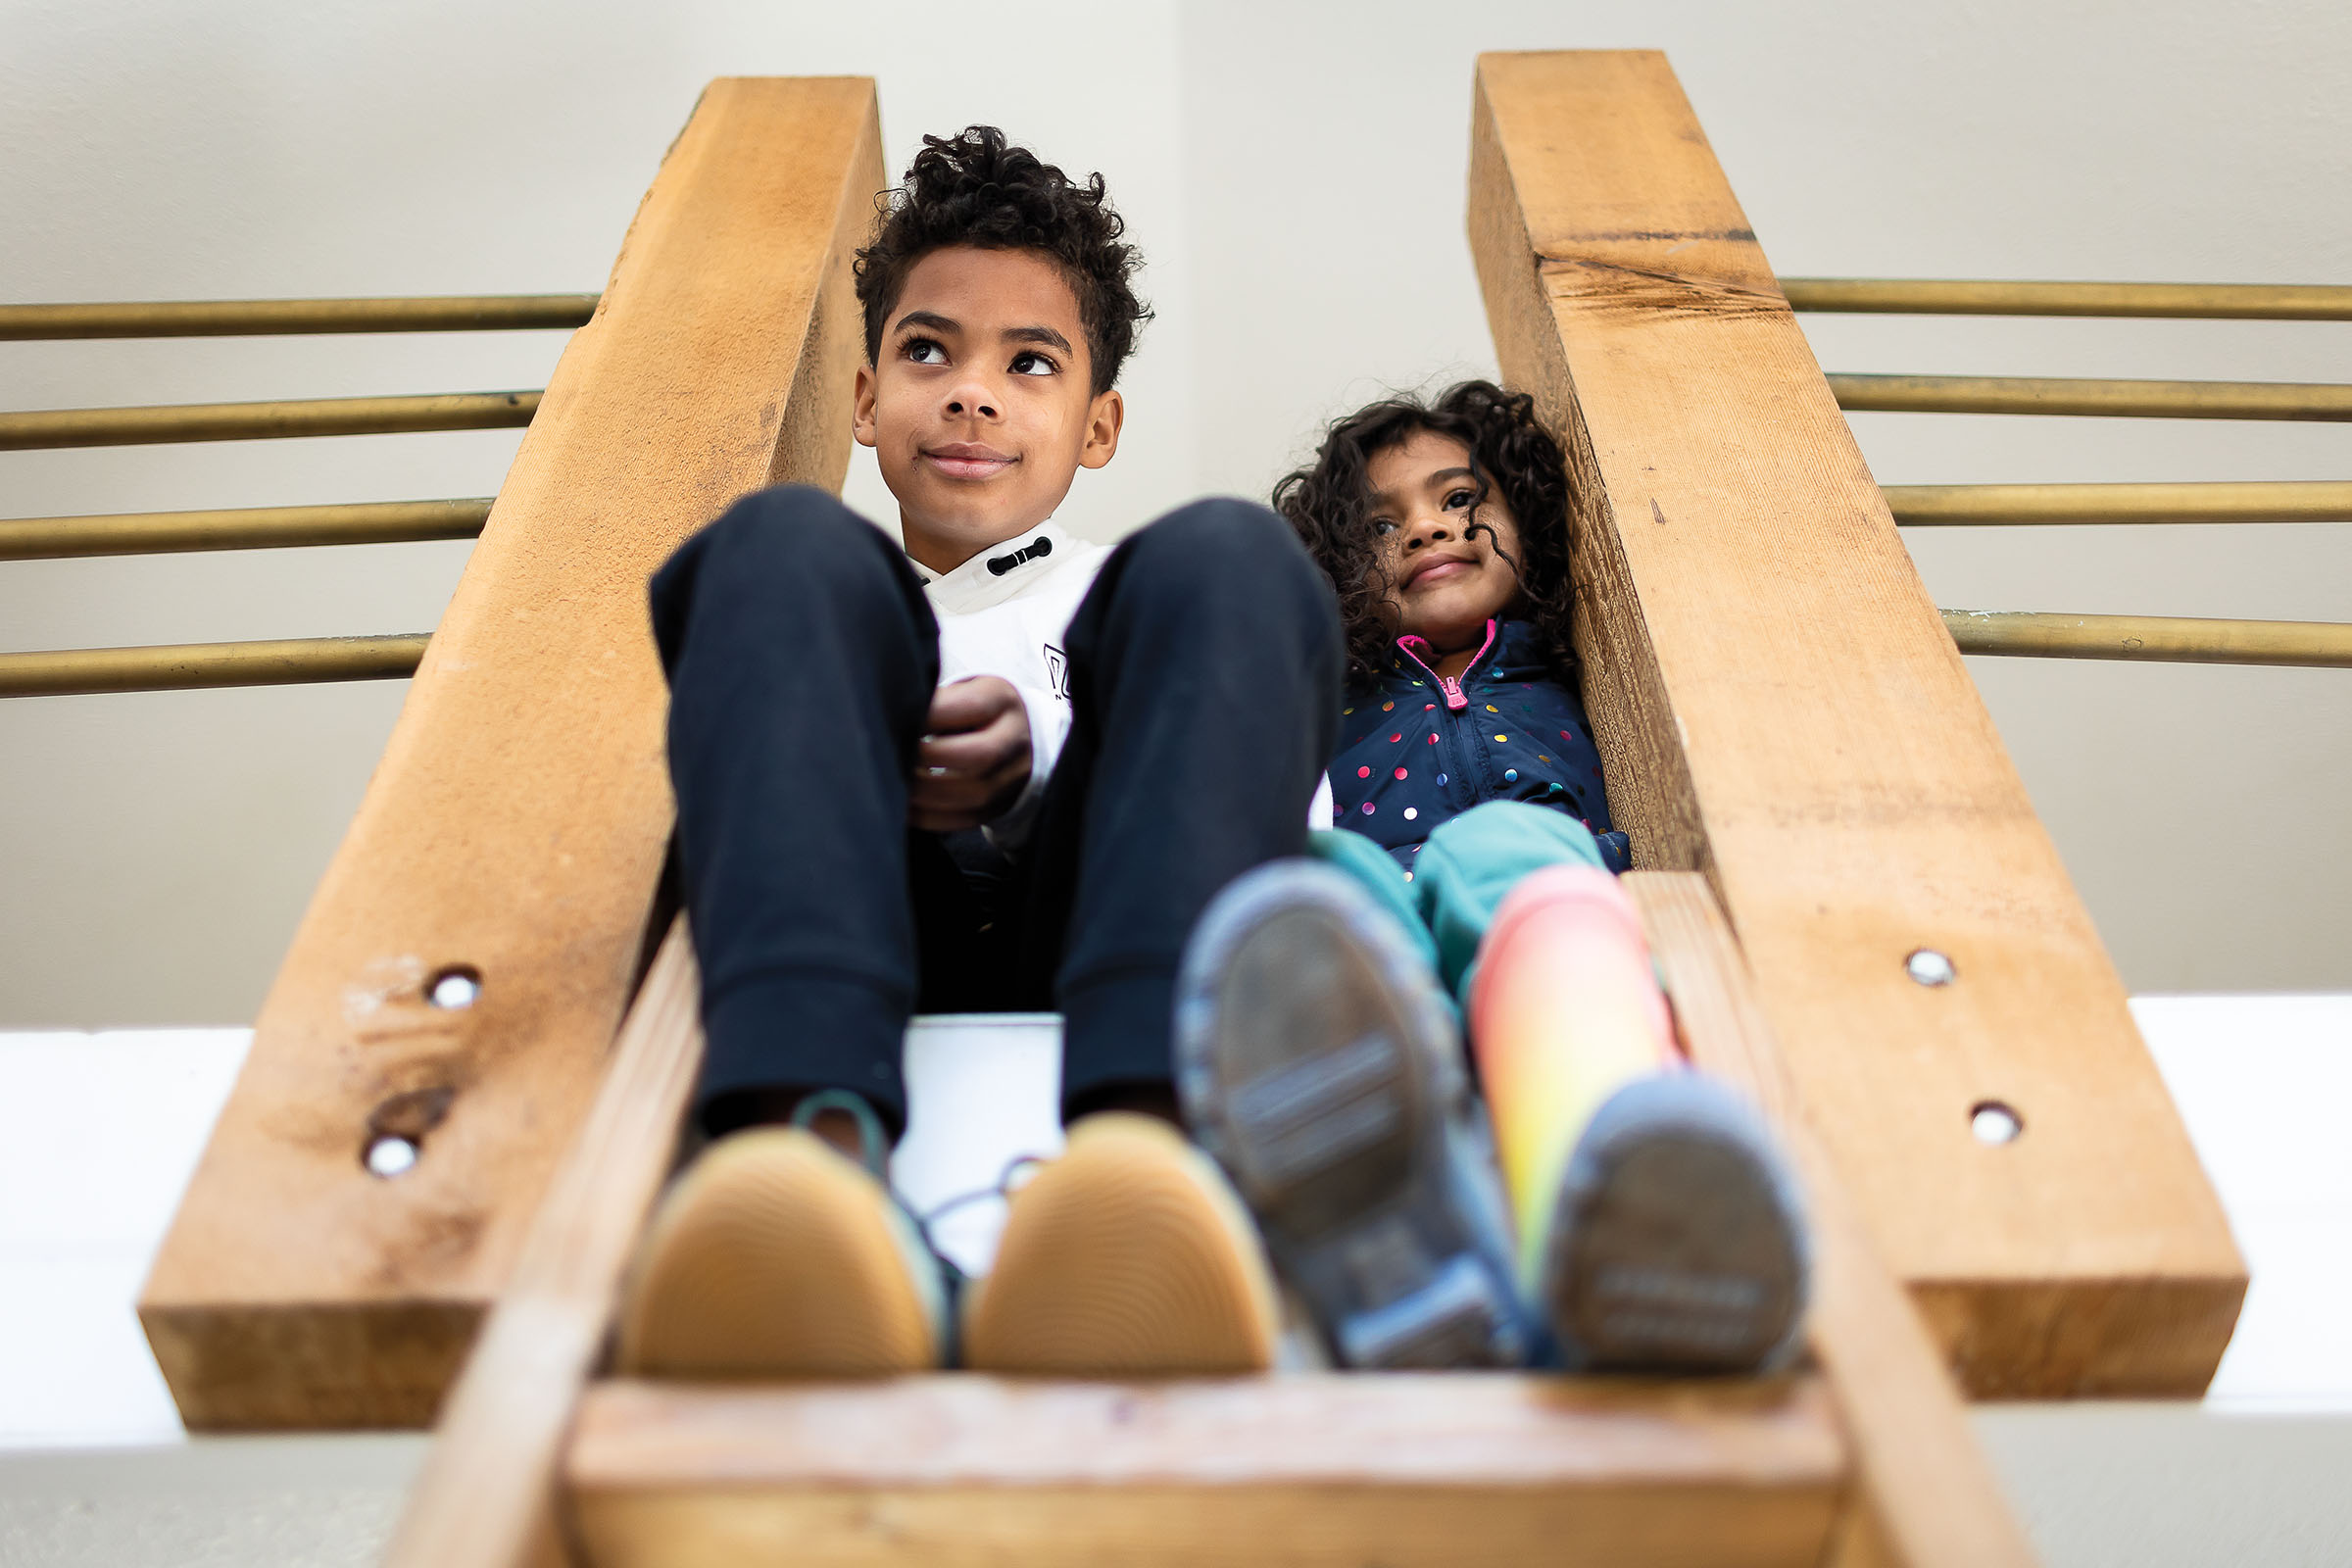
column 774, row 1256
column 1679, row 1242
column 1316, row 1064
column 1128, row 1257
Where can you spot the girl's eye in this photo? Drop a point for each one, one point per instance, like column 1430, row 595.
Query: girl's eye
column 1383, row 526
column 1455, row 500
column 925, row 351
column 1031, row 362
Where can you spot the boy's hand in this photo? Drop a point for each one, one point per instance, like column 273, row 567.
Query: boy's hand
column 974, row 756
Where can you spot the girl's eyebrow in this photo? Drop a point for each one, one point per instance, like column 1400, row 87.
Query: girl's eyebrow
column 1388, row 498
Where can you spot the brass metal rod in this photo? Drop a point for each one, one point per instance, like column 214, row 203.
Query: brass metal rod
column 1952, row 505
column 477, row 313
column 155, row 533
column 2269, row 302
column 178, row 666
column 251, row 421
column 2171, row 638
column 2155, row 400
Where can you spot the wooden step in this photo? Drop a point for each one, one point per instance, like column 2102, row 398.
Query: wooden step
column 1452, row 1470
column 536, row 1463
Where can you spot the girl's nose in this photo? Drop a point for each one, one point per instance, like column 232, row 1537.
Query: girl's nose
column 1428, row 529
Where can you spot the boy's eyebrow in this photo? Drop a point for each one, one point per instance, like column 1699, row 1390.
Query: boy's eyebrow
column 1037, row 334
column 930, row 319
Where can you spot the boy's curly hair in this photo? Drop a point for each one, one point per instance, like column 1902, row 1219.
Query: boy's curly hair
column 975, row 188
column 1330, row 504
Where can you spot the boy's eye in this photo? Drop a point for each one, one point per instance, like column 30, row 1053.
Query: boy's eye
column 1031, row 362
column 925, row 351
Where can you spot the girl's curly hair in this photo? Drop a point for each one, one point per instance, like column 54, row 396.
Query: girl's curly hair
column 1330, row 504
column 974, row 188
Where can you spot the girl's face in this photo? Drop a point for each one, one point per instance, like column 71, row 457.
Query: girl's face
column 1444, row 581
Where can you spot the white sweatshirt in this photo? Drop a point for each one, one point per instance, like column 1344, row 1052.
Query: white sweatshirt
column 1004, row 612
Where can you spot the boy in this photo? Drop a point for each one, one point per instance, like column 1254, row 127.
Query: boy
column 1005, row 769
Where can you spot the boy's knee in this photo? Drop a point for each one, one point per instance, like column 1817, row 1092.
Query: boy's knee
column 1235, row 550
column 797, row 525
column 786, row 544
column 1215, row 534
column 791, row 554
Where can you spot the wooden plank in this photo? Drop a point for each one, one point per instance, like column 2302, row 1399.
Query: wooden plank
column 515, row 825
column 1779, row 707
column 486, row 1497
column 1455, row 1469
column 1925, row 1495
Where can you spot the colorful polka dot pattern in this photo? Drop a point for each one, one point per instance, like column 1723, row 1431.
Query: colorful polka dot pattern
column 1476, row 754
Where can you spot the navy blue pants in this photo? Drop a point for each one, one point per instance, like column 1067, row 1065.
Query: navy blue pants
column 801, row 656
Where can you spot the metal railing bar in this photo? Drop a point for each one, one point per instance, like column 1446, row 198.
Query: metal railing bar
column 472, row 312
column 2180, row 639
column 2158, row 400
column 2269, row 302
column 155, row 533
column 39, row 428
column 1971, row 505
column 181, row 667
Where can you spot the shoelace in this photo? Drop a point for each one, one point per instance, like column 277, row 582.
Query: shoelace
column 873, row 1143
column 873, row 1150
column 1001, row 1188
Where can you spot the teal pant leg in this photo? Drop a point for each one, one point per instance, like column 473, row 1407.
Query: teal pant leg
column 1473, row 860
column 1369, row 865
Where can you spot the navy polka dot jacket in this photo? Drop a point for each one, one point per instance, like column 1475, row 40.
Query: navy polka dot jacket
column 1417, row 748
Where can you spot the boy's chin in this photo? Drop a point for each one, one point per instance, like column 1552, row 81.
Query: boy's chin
column 968, row 531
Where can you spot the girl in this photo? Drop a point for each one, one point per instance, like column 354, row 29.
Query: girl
column 1650, row 1223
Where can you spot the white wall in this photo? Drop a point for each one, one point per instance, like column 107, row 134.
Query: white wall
column 1295, row 173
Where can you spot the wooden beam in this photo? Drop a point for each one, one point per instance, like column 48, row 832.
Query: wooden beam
column 1925, row 1495
column 485, row 1497
column 515, row 830
column 1400, row 1469
column 1780, row 706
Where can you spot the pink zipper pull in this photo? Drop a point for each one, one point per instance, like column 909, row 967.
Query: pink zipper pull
column 1455, row 702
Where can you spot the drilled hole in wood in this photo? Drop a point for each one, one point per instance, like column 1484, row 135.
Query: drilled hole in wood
column 1994, row 1123
column 391, row 1156
column 396, row 1129
column 456, row 987
column 1930, row 968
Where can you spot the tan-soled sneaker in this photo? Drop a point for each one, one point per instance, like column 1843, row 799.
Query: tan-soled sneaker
column 1128, row 1257
column 776, row 1256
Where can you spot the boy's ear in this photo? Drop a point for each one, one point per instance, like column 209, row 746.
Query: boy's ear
column 861, row 417
column 1103, row 421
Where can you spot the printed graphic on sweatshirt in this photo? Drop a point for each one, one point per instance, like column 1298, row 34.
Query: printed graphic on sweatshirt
column 1057, row 672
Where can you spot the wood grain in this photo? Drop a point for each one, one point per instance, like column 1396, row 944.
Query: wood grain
column 1779, row 707
column 1456, row 1469
column 1925, row 1495
column 484, row 1498
column 516, row 824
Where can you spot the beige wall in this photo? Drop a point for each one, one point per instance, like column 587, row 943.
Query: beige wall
column 1295, row 173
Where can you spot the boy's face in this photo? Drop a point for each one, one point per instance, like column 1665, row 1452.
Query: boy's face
column 980, row 407
column 1444, row 581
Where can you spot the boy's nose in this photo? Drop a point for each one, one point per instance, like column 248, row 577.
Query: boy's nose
column 973, row 400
